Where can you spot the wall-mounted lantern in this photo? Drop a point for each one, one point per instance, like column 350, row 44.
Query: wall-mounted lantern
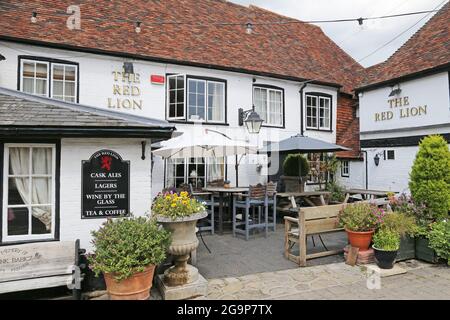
column 251, row 119
column 395, row 91
column 2, row 58
column 128, row 67
column 377, row 158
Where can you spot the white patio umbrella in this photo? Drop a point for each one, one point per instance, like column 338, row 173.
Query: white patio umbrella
column 204, row 143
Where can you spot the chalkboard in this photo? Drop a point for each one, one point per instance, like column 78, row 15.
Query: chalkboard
column 105, row 186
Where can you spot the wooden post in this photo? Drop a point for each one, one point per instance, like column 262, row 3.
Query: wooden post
column 302, row 238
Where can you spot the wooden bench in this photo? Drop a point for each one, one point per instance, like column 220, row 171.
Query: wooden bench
column 310, row 221
column 41, row 265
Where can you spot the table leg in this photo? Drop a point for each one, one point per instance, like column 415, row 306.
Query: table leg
column 322, row 200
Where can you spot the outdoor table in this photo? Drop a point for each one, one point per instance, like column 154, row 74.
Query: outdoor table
column 324, row 197
column 366, row 194
column 221, row 191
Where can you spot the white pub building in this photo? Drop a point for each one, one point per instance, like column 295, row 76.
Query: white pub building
column 103, row 83
column 403, row 100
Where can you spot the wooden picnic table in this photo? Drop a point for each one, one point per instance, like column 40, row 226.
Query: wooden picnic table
column 221, row 191
column 307, row 196
column 366, row 194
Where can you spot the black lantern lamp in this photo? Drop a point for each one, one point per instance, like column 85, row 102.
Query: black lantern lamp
column 395, row 92
column 2, row 58
column 128, row 67
column 377, row 158
column 251, row 119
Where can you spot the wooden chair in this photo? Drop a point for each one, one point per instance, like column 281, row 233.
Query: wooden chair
column 271, row 196
column 255, row 199
column 310, row 221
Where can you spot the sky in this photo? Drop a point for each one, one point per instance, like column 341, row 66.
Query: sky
column 357, row 41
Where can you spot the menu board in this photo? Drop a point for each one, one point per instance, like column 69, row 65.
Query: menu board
column 105, row 186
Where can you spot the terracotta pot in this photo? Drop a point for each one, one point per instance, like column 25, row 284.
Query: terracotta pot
column 136, row 287
column 360, row 240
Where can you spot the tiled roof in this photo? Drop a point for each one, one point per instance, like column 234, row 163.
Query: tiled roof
column 428, row 48
column 24, row 110
column 292, row 50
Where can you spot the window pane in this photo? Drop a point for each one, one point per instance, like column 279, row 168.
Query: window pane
column 196, row 101
column 28, row 69
column 69, row 88
column 41, row 221
column 42, row 161
column 41, row 87
column 19, row 161
column 17, row 221
column 70, row 73
column 172, row 111
column 57, row 88
column 172, row 83
column 216, row 107
column 70, row 99
column 58, row 72
column 18, row 191
column 41, row 190
column 180, row 95
column 176, row 96
column 260, row 100
column 41, row 70
column 28, row 85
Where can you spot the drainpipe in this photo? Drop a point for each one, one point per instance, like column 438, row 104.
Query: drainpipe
column 367, row 170
column 301, row 107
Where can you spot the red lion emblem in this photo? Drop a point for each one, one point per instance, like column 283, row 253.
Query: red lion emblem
column 106, row 162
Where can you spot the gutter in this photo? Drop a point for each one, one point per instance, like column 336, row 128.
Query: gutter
column 301, row 107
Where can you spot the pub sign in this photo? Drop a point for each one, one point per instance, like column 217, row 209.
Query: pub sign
column 105, row 186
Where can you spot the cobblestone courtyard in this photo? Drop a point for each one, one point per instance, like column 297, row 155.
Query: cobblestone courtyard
column 335, row 281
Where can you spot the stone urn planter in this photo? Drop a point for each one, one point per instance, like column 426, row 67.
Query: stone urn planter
column 184, row 241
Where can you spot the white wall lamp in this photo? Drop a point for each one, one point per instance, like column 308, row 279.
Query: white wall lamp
column 251, row 119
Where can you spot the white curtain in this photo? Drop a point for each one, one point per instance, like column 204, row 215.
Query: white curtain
column 216, row 101
column 41, row 188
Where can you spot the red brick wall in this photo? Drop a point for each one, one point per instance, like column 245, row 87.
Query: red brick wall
column 347, row 131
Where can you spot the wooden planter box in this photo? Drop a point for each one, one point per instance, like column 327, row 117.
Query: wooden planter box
column 407, row 249
column 424, row 252
column 293, row 184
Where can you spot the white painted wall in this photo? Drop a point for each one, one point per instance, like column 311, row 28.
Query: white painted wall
column 73, row 152
column 431, row 91
column 96, row 86
column 357, row 177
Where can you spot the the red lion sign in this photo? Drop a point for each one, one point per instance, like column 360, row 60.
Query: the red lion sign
column 106, row 162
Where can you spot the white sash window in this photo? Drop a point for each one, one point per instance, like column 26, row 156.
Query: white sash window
column 29, row 192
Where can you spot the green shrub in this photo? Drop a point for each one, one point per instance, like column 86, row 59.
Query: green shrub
column 296, row 165
column 386, row 239
column 430, row 176
column 439, row 239
column 361, row 217
column 126, row 246
column 337, row 191
column 400, row 223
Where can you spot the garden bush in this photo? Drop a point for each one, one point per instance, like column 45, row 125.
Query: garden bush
column 296, row 165
column 439, row 239
column 430, row 176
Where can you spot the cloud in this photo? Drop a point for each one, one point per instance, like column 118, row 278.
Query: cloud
column 355, row 40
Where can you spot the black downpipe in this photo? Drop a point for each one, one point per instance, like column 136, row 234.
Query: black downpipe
column 367, row 169
column 301, row 107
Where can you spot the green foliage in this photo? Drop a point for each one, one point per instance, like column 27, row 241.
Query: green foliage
column 174, row 205
column 400, row 223
column 337, row 191
column 360, row 217
column 409, row 207
column 439, row 239
column 126, row 246
column 296, row 165
column 430, row 176
column 386, row 239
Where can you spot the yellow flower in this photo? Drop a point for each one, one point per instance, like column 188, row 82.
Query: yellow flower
column 185, row 202
column 173, row 205
column 184, row 194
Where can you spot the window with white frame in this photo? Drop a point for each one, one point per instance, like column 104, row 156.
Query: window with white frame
column 318, row 112
column 49, row 79
column 345, row 168
column 269, row 105
column 195, row 171
column 29, row 192
column 192, row 98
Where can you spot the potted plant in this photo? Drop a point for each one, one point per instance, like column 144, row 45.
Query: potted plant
column 337, row 192
column 405, row 226
column 360, row 221
column 386, row 243
column 295, row 169
column 126, row 252
column 179, row 213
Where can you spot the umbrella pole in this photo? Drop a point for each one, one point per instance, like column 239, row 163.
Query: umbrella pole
column 236, row 167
